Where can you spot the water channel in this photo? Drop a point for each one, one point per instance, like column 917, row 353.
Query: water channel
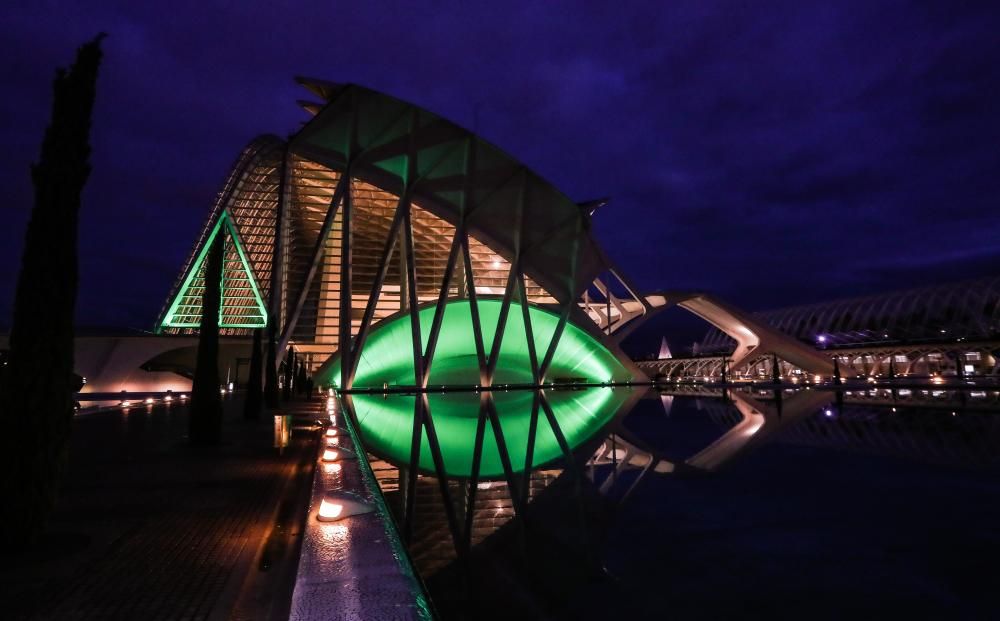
column 696, row 502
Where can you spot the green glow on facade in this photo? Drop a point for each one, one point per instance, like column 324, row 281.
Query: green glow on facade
column 386, row 426
column 191, row 317
column 387, row 355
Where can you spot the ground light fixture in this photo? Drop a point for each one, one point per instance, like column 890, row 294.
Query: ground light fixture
column 332, row 454
column 340, row 504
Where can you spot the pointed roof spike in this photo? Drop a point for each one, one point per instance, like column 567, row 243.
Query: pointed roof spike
column 311, row 107
column 589, row 207
column 321, row 88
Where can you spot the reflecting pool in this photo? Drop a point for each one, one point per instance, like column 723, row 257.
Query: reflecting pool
column 463, row 425
column 704, row 503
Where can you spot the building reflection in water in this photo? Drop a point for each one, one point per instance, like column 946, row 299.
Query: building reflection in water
column 496, row 454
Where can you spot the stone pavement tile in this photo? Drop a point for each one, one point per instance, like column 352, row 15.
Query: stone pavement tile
column 160, row 526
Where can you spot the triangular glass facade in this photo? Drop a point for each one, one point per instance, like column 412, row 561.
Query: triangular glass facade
column 242, row 304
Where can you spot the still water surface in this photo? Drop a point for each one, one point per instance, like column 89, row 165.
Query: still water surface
column 711, row 504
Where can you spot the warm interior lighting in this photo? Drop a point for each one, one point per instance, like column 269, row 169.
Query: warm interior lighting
column 149, row 400
column 331, row 432
column 331, row 468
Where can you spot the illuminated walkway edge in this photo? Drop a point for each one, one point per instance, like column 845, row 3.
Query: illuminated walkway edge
column 357, row 567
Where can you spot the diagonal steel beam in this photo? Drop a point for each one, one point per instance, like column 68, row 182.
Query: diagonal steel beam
column 508, row 469
column 477, row 325
column 376, row 290
column 528, row 332
column 491, row 364
column 468, row 205
column 339, row 194
column 411, row 474
column 564, row 313
column 477, row 459
column 442, row 300
column 530, row 451
column 412, row 303
column 440, row 473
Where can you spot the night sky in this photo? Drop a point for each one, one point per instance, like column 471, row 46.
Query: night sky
column 770, row 152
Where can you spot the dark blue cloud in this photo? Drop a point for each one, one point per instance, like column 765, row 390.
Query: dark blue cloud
column 774, row 153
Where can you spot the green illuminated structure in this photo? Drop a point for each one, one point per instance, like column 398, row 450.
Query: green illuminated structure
column 242, row 304
column 388, row 245
column 387, row 361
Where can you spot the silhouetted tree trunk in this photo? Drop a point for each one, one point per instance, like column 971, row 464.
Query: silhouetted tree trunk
column 205, row 422
column 300, row 379
column 271, row 368
column 775, row 370
column 286, row 393
column 36, row 400
column 251, row 407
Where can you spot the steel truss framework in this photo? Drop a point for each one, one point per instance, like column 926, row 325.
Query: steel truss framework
column 959, row 359
column 943, row 330
column 377, row 207
column 966, row 311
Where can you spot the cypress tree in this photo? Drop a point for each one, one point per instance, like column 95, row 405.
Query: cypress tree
column 300, row 379
column 271, row 367
column 286, row 393
column 36, row 398
column 205, row 421
column 252, row 405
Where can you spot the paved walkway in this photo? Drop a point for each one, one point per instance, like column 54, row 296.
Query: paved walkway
column 149, row 528
column 355, row 568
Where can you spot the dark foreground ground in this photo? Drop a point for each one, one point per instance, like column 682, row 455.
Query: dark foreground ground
column 149, row 528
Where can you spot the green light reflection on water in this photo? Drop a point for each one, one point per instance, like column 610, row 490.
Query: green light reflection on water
column 386, row 426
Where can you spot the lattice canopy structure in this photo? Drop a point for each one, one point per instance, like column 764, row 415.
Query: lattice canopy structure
column 376, row 208
column 965, row 311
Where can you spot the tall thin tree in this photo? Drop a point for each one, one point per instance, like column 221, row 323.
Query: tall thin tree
column 300, row 378
column 289, row 375
column 36, row 396
column 271, row 367
column 252, row 405
column 205, row 421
